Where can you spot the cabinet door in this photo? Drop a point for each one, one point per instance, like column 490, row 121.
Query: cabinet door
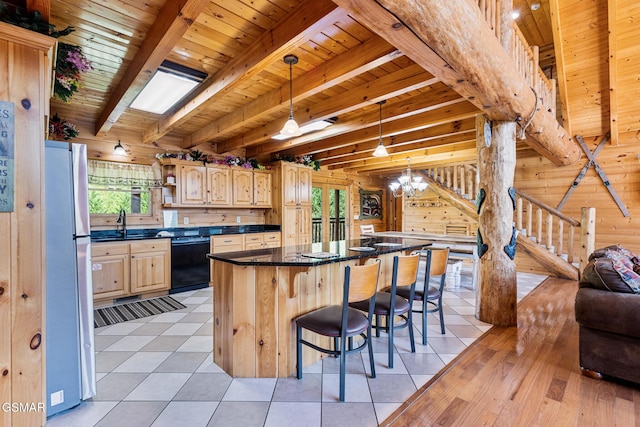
column 253, row 241
column 218, row 186
column 148, row 271
column 110, row 275
column 304, row 225
column 242, row 187
column 304, row 186
column 192, row 185
column 290, row 226
column 289, row 184
column 261, row 189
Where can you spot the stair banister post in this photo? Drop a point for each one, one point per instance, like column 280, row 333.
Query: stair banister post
column 587, row 235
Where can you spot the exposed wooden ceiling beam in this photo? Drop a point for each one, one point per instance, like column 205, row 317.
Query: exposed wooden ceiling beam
column 452, row 153
column 367, row 56
column 423, row 138
column 394, row 84
column 449, row 40
column 308, row 18
column 172, row 23
column 438, row 110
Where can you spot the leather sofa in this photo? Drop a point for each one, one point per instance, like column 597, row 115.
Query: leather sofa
column 607, row 309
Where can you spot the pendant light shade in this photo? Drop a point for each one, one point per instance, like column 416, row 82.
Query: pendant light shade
column 380, row 150
column 291, row 127
column 119, row 150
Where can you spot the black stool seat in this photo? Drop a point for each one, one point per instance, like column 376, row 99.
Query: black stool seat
column 327, row 321
column 383, row 304
column 432, row 293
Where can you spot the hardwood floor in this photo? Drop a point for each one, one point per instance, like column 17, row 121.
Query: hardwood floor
column 525, row 376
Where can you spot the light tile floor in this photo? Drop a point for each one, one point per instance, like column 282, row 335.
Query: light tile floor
column 158, row 371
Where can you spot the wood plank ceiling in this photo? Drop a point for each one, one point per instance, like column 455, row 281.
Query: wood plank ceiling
column 343, row 71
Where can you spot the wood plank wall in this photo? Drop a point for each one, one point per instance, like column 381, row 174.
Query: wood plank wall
column 432, row 214
column 25, row 81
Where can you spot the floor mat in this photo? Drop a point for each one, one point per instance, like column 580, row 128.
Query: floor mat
column 106, row 316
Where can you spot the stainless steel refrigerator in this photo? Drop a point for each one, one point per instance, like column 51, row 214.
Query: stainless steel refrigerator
column 69, row 335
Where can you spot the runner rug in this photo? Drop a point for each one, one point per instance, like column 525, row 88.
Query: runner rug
column 106, row 316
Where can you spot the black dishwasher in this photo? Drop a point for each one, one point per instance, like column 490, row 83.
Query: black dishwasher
column 189, row 263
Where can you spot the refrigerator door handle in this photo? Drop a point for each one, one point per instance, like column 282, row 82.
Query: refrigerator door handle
column 85, row 301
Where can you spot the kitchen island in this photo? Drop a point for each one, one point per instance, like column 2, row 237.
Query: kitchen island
column 258, row 293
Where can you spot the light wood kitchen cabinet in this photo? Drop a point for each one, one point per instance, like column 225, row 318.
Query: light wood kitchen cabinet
column 292, row 207
column 251, row 188
column 150, row 266
column 110, row 270
column 261, row 241
column 192, row 185
column 218, row 186
column 122, row 269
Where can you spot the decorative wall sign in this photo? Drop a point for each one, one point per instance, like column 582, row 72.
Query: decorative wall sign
column 7, row 124
column 370, row 204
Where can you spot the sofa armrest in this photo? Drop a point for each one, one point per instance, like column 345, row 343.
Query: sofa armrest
column 608, row 311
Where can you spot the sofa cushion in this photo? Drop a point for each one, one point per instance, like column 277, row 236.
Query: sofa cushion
column 613, row 268
column 608, row 311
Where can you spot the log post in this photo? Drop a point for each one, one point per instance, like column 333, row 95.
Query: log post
column 497, row 290
column 587, row 235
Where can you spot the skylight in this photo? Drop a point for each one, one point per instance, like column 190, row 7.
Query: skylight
column 170, row 83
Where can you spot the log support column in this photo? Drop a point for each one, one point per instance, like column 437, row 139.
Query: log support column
column 497, row 289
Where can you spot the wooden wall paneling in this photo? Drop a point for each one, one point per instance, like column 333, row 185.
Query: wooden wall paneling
column 627, row 55
column 613, row 69
column 266, row 302
column 223, row 272
column 6, row 248
column 244, row 321
column 288, row 308
column 25, row 60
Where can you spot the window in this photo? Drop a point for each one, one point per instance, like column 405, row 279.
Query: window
column 114, row 186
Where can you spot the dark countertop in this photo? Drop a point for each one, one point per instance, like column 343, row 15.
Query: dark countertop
column 153, row 233
column 292, row 256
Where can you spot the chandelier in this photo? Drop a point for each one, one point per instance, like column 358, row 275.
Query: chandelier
column 408, row 185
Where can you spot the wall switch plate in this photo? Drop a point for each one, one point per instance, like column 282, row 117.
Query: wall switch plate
column 356, row 217
column 57, row 397
column 238, row 219
column 185, row 220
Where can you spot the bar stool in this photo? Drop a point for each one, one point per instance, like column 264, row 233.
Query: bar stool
column 342, row 322
column 390, row 305
column 431, row 296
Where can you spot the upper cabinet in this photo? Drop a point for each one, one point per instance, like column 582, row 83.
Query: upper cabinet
column 190, row 184
column 251, row 188
column 292, row 203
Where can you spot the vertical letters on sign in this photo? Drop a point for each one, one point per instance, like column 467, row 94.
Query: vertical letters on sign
column 7, row 123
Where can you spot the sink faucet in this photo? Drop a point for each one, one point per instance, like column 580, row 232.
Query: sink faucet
column 122, row 219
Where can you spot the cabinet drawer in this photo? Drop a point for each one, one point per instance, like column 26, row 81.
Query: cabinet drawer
column 150, row 246
column 228, row 240
column 271, row 237
column 105, row 249
column 253, row 239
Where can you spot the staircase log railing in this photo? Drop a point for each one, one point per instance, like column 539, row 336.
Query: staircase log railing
column 524, row 56
column 551, row 228
column 548, row 227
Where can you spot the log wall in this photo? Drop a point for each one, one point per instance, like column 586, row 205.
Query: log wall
column 25, row 81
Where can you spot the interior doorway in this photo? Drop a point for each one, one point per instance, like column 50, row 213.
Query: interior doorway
column 330, row 213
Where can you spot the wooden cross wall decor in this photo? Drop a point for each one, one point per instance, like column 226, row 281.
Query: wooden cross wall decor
column 592, row 161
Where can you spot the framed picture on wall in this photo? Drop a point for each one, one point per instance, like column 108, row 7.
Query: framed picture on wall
column 370, row 204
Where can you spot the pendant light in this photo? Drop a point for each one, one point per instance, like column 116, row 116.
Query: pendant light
column 119, row 150
column 380, row 151
column 291, row 127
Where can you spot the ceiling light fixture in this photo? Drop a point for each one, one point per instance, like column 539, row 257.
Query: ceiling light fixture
column 291, row 127
column 309, row 127
column 119, row 150
column 535, row 6
column 380, row 151
column 408, row 185
column 515, row 15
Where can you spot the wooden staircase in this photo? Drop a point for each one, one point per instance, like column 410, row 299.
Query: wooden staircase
column 544, row 233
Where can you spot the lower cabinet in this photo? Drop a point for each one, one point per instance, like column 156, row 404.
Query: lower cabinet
column 122, row 269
